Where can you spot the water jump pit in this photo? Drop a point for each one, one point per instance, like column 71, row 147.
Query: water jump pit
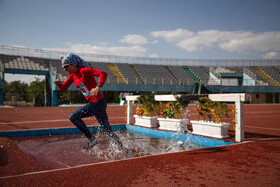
column 62, row 147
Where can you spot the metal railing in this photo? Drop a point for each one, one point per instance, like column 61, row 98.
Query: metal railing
column 175, row 82
column 49, row 54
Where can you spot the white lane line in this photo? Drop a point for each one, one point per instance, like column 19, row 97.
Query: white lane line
column 42, row 121
column 269, row 112
column 262, row 128
column 48, row 121
column 73, row 167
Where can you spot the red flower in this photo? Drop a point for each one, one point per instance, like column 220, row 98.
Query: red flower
column 140, row 112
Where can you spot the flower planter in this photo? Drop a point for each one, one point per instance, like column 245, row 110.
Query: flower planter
column 146, row 121
column 211, row 129
column 173, row 124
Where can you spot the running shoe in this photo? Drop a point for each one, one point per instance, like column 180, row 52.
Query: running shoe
column 92, row 142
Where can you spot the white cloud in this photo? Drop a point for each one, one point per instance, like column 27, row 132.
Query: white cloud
column 134, row 39
column 153, row 56
column 173, row 36
column 271, row 55
column 233, row 41
column 18, row 46
column 117, row 50
column 154, row 41
column 244, row 42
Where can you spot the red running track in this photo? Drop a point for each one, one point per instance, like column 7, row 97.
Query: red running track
column 256, row 162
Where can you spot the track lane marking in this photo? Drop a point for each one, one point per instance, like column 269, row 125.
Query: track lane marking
column 262, row 128
column 48, row 121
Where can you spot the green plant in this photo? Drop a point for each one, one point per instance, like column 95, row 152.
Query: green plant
column 141, row 111
column 174, row 109
column 169, row 110
column 208, row 108
column 148, row 106
column 205, row 107
column 222, row 110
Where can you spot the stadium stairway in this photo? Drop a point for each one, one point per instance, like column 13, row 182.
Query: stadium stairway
column 138, row 74
column 276, row 69
column 117, row 74
column 174, row 74
column 193, row 75
column 199, row 88
column 266, row 76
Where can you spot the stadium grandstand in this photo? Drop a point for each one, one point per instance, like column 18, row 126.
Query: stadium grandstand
column 260, row 78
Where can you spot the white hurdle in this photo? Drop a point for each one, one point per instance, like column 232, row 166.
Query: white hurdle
column 238, row 99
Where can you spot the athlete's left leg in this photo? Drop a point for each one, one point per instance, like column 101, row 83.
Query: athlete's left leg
column 102, row 118
column 76, row 119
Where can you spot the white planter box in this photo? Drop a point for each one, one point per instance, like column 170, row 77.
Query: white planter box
column 211, row 129
column 173, row 124
column 146, row 121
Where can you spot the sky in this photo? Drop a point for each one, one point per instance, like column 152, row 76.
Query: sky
column 189, row 29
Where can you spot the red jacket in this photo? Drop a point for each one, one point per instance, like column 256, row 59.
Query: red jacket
column 84, row 81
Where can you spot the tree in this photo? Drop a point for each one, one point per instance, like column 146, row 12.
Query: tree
column 17, row 87
column 37, row 90
column 71, row 96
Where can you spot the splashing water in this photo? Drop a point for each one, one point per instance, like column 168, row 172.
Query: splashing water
column 65, row 150
column 140, row 145
column 183, row 136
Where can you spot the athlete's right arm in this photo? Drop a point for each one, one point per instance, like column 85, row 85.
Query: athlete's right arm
column 65, row 85
column 57, row 82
